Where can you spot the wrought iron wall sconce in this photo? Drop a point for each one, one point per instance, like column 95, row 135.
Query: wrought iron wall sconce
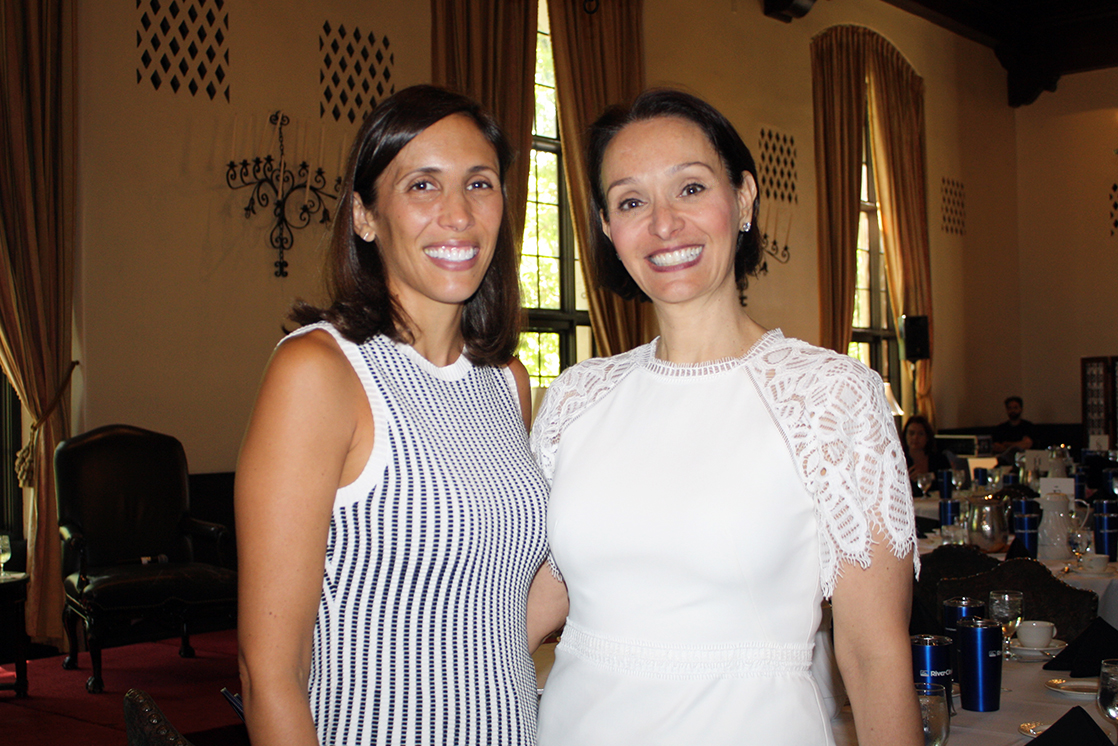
column 272, row 183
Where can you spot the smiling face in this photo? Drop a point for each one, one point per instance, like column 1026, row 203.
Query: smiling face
column 437, row 214
column 672, row 212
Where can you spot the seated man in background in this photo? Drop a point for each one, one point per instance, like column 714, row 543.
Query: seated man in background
column 1015, row 434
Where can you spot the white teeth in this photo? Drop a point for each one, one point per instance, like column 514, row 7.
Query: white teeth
column 452, row 253
column 679, row 256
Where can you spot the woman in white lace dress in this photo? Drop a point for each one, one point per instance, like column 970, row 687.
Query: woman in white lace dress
column 711, row 488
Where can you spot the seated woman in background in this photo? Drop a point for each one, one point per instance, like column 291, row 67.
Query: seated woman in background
column 920, row 451
column 389, row 513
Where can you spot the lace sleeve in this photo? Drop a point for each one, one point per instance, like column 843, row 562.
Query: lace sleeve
column 840, row 430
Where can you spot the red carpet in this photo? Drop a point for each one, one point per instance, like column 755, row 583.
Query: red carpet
column 188, row 690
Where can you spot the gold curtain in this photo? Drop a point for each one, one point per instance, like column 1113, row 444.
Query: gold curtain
column 896, row 106
column 838, row 71
column 486, row 49
column 36, row 265
column 855, row 70
column 599, row 60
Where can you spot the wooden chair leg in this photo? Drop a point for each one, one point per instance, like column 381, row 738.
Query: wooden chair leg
column 186, row 651
column 94, row 684
column 70, row 622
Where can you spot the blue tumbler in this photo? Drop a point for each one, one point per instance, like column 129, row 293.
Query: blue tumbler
column 955, row 609
column 1106, row 534
column 1025, row 528
column 944, row 484
column 949, row 511
column 981, row 476
column 931, row 662
column 980, row 664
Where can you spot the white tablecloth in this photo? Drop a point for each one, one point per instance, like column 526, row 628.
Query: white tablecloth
column 1105, row 585
column 1027, row 701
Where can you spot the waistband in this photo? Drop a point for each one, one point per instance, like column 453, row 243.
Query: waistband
column 655, row 660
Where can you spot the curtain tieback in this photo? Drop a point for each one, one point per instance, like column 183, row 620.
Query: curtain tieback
column 25, row 459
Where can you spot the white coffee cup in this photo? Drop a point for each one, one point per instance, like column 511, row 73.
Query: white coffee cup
column 1035, row 634
column 1092, row 562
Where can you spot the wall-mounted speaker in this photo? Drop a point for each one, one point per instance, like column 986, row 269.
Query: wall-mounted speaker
column 916, row 338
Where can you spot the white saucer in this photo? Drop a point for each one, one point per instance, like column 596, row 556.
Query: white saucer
column 1107, row 573
column 1036, row 654
column 1077, row 688
column 1033, row 729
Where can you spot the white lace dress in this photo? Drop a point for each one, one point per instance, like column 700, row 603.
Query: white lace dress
column 699, row 515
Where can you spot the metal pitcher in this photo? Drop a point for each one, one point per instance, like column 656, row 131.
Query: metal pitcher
column 986, row 524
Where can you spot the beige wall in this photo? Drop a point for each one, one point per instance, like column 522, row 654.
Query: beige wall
column 758, row 71
column 177, row 306
column 1067, row 172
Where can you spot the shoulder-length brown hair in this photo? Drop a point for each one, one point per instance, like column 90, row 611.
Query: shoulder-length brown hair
column 361, row 305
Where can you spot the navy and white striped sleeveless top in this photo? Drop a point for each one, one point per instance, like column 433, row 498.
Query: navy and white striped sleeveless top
column 420, row 637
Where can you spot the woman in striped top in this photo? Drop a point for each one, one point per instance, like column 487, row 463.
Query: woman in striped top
column 389, row 514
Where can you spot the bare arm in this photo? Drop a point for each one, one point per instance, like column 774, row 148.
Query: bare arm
column 523, row 390
column 872, row 647
column 547, row 597
column 306, row 437
column 547, row 606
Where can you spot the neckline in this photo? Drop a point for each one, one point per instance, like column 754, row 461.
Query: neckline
column 708, row 367
column 454, row 371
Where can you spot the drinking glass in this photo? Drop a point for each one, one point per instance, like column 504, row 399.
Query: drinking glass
column 958, row 478
column 1006, row 607
column 924, row 481
column 933, row 712
column 5, row 552
column 1080, row 541
column 1107, row 698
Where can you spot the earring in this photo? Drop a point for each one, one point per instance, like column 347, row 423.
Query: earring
column 745, row 228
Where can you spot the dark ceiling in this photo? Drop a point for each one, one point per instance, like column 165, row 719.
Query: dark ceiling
column 1037, row 41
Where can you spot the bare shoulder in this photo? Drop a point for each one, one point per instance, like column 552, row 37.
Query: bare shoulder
column 310, row 399
column 310, row 358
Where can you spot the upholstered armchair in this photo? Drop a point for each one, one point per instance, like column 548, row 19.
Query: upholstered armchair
column 127, row 542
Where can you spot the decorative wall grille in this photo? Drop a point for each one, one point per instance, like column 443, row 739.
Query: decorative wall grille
column 356, row 72
column 776, row 165
column 954, row 207
column 182, row 44
column 1113, row 209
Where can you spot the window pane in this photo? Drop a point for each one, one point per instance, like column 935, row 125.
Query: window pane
column 539, row 351
column 862, row 293
column 865, row 183
column 546, row 123
column 545, row 177
column 529, row 284
column 861, row 351
column 548, row 278
column 582, row 303
column 584, row 343
column 539, row 260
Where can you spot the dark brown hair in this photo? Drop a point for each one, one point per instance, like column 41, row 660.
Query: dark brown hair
column 736, row 158
column 361, row 305
column 929, row 434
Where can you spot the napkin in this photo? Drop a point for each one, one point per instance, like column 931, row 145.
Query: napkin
column 1083, row 655
column 1075, row 728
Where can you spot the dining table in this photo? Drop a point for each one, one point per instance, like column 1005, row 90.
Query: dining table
column 1104, row 584
column 1025, row 699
